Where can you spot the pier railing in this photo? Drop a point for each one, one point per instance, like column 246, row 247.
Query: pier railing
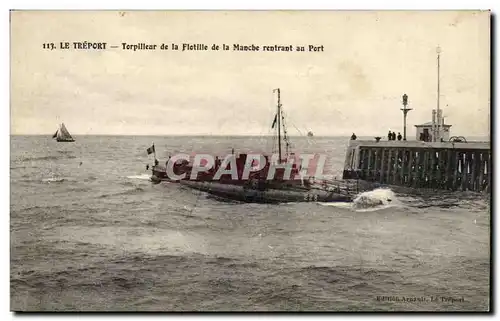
column 449, row 166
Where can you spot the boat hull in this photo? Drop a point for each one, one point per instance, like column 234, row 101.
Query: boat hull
column 159, row 174
column 249, row 195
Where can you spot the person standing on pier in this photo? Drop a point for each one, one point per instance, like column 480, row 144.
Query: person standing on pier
column 389, row 136
column 353, row 137
column 399, row 136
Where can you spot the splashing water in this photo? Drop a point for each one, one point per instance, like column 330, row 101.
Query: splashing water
column 379, row 197
column 369, row 201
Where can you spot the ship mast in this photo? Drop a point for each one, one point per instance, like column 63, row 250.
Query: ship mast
column 438, row 118
column 279, row 125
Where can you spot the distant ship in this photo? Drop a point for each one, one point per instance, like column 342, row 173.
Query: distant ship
column 310, row 134
column 258, row 188
column 62, row 134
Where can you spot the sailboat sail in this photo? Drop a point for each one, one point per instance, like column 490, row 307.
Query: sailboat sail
column 64, row 131
column 63, row 134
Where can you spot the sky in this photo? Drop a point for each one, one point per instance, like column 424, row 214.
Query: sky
column 369, row 60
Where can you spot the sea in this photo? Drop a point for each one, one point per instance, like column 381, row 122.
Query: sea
column 90, row 232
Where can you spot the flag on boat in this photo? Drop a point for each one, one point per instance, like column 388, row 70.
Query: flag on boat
column 275, row 119
column 151, row 149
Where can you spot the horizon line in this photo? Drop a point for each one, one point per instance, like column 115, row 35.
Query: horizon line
column 192, row 135
column 219, row 135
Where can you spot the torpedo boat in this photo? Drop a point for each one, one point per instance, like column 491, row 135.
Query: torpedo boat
column 276, row 180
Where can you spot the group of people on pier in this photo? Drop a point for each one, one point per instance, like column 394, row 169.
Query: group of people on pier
column 392, row 136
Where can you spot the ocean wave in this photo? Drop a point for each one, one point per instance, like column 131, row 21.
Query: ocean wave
column 446, row 200
column 80, row 189
column 38, row 207
column 40, row 158
column 127, row 192
column 18, row 167
column 355, row 274
column 54, row 180
column 90, row 179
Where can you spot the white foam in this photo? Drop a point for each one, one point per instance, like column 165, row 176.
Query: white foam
column 53, row 179
column 336, row 204
column 379, row 196
column 377, row 199
column 142, row 176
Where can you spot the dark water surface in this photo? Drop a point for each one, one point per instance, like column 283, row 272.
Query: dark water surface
column 90, row 232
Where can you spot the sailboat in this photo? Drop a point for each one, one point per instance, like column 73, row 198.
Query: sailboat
column 258, row 188
column 62, row 134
